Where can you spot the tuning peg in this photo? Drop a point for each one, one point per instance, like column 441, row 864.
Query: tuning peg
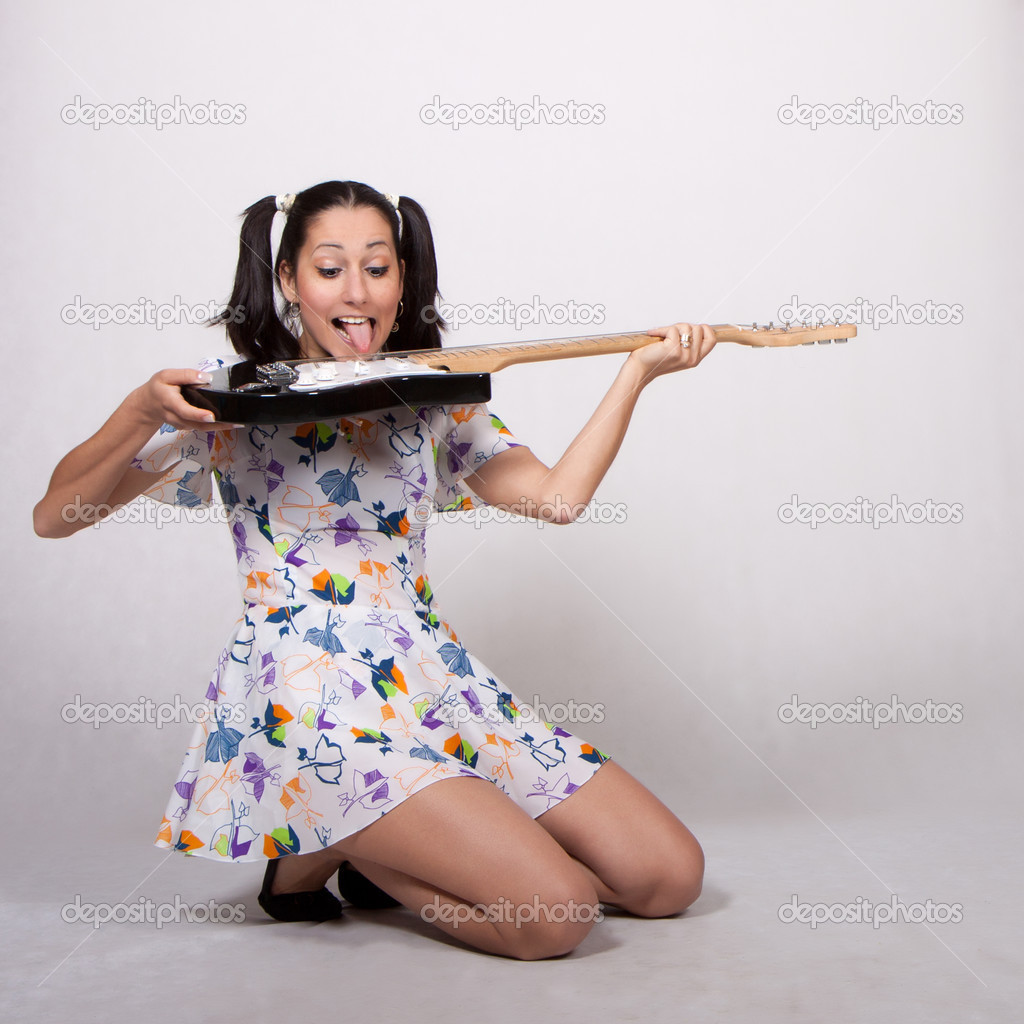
column 786, row 328
column 824, row 341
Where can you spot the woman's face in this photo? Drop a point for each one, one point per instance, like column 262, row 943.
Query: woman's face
column 348, row 283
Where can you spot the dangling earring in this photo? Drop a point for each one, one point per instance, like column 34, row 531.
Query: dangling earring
column 291, row 314
column 394, row 326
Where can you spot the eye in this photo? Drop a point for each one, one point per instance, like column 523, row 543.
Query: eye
column 328, row 271
column 378, row 271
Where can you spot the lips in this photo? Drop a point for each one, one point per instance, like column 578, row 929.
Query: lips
column 356, row 330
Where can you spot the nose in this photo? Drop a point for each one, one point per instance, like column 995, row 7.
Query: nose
column 353, row 288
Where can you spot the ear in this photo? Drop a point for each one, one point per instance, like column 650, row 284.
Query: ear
column 288, row 282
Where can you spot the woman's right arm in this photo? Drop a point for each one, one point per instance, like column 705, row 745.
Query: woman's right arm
column 99, row 471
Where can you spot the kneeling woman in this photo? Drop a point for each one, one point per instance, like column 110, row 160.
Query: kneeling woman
column 350, row 731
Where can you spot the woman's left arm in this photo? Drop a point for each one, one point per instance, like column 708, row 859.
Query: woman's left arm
column 518, row 481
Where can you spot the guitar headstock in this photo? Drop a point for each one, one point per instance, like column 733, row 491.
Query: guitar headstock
column 771, row 336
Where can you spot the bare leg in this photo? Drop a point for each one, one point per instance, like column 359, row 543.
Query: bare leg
column 637, row 853
column 459, row 844
column 462, row 842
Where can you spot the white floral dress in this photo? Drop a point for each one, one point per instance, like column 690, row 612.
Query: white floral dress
column 341, row 690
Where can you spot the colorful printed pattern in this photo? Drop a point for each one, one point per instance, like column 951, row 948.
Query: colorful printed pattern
column 342, row 690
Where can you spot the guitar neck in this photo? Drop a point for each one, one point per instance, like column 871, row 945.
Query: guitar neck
column 491, row 358
column 309, row 389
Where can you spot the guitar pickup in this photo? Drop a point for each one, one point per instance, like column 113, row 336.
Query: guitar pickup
column 276, row 374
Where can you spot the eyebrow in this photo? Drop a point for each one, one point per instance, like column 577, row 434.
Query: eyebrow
column 338, row 245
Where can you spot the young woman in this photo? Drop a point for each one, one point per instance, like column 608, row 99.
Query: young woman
column 342, row 695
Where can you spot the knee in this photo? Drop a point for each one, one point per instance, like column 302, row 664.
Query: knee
column 553, row 923
column 671, row 886
column 545, row 940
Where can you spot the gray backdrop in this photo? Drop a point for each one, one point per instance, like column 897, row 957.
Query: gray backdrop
column 695, row 192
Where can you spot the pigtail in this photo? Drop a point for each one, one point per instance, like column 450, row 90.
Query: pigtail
column 251, row 318
column 420, row 324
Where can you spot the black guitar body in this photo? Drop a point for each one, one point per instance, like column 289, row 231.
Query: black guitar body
column 277, row 403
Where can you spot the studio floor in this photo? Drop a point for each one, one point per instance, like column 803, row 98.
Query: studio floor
column 731, row 957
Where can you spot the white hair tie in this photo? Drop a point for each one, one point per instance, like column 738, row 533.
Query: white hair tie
column 393, row 200
column 284, row 203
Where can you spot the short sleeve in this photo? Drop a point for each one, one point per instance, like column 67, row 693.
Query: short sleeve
column 186, row 459
column 471, row 435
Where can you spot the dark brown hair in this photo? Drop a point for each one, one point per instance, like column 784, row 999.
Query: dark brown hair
column 257, row 331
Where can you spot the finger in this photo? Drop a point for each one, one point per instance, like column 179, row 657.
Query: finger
column 182, row 375
column 664, row 350
column 177, row 407
column 683, row 351
column 685, row 334
column 708, row 341
column 222, row 425
column 670, row 333
column 678, row 350
column 171, row 381
column 692, row 354
column 204, row 425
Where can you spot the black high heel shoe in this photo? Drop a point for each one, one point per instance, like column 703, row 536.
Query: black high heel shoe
column 296, row 906
column 361, row 892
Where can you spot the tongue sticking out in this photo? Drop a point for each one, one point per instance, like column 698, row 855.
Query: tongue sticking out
column 360, row 334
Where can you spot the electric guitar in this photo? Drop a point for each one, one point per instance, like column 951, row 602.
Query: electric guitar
column 305, row 390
